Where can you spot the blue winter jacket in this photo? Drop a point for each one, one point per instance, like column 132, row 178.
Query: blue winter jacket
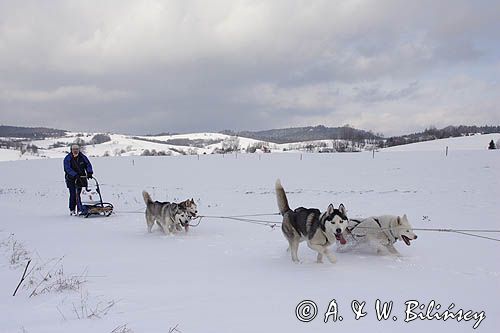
column 76, row 166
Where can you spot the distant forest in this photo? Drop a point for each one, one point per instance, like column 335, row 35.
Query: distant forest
column 433, row 133
column 283, row 135
column 310, row 133
column 34, row 133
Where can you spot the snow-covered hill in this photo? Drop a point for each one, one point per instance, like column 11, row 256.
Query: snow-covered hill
column 209, row 143
column 171, row 145
column 230, row 276
column 473, row 142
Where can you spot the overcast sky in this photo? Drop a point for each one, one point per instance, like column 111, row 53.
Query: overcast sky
column 181, row 66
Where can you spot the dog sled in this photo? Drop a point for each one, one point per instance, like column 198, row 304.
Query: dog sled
column 91, row 203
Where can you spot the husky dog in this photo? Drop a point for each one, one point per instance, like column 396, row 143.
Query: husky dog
column 190, row 207
column 382, row 231
column 170, row 216
column 320, row 230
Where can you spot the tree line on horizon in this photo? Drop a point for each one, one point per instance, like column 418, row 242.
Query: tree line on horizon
column 283, row 135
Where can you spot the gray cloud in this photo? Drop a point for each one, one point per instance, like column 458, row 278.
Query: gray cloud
column 151, row 66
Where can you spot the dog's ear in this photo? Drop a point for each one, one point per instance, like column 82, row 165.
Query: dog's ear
column 399, row 220
column 342, row 209
column 405, row 217
column 330, row 209
column 192, row 201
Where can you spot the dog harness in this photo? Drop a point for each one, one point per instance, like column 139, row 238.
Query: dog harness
column 389, row 235
column 349, row 230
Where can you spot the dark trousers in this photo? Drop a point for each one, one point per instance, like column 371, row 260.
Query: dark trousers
column 74, row 196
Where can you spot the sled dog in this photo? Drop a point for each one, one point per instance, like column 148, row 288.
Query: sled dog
column 320, row 230
column 170, row 216
column 382, row 232
column 190, row 207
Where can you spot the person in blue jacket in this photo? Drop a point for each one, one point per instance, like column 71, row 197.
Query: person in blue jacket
column 77, row 169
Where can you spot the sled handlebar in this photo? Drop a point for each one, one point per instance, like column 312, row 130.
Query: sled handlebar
column 95, row 180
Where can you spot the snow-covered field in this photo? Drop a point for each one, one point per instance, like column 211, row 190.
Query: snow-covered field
column 208, row 143
column 9, row 154
column 474, row 142
column 125, row 145
column 228, row 276
column 172, row 145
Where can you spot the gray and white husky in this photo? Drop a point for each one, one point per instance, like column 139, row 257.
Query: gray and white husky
column 320, row 230
column 170, row 216
column 382, row 232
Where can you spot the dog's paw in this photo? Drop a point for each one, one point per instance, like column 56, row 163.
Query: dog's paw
column 332, row 259
column 319, row 258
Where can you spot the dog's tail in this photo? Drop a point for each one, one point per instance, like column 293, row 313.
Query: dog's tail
column 147, row 197
column 281, row 197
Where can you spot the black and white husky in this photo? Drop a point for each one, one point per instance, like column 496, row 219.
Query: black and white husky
column 170, row 216
column 381, row 232
column 320, row 230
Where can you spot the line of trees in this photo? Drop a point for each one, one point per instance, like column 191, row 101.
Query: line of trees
column 432, row 133
column 19, row 145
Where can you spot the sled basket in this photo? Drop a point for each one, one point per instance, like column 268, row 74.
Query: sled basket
column 94, row 205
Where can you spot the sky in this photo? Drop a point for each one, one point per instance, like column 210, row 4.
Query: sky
column 143, row 67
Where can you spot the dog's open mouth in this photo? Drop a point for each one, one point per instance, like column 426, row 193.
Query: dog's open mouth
column 340, row 238
column 406, row 240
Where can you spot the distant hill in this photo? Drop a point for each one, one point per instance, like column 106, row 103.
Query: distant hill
column 433, row 133
column 49, row 142
column 300, row 134
column 30, row 132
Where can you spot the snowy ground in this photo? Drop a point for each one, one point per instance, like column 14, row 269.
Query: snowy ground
column 474, row 142
column 9, row 154
column 227, row 276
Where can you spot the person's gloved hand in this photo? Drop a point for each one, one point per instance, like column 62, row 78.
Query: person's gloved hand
column 89, row 175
